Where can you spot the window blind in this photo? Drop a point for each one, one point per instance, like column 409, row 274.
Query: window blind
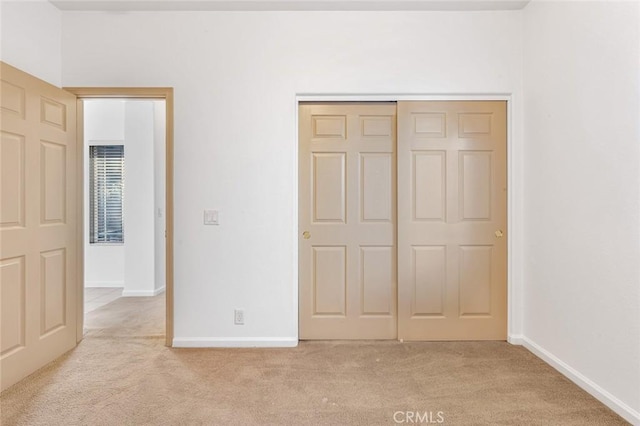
column 106, row 193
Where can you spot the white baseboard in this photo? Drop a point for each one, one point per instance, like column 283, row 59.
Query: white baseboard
column 235, row 342
column 516, row 339
column 142, row 293
column 109, row 284
column 626, row 412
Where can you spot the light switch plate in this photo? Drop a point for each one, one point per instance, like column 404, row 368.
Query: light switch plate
column 211, row 217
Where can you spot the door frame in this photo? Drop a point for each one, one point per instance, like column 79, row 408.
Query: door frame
column 154, row 93
column 514, row 208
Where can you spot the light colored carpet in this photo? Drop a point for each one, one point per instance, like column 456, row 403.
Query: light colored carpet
column 122, row 374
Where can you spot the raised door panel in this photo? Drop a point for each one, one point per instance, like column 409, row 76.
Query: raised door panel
column 429, row 280
column 53, row 288
column 429, row 125
column 13, row 99
column 53, row 186
column 329, row 281
column 329, row 126
column 53, row 113
column 12, row 315
column 428, row 185
column 376, row 187
column 475, row 264
column 378, row 280
column 329, row 187
column 474, row 125
column 475, row 185
column 375, row 126
column 12, row 169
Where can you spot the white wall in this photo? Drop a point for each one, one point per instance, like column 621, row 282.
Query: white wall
column 139, row 205
column 131, row 265
column 30, row 33
column 236, row 76
column 582, row 186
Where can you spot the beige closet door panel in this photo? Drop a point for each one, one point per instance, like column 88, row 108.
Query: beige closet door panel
column 347, row 254
column 452, row 220
column 37, row 224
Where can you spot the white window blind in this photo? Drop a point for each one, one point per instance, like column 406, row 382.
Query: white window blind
column 106, row 193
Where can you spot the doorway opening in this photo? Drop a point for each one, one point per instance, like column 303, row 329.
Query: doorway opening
column 124, row 220
column 126, row 260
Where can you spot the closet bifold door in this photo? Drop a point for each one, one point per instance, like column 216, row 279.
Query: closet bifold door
column 452, row 220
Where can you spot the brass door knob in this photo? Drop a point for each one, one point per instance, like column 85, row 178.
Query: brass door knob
column 306, row 235
column 499, row 233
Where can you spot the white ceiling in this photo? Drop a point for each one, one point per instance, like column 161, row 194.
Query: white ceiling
column 248, row 5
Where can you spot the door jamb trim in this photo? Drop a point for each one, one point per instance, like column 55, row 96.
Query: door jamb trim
column 165, row 93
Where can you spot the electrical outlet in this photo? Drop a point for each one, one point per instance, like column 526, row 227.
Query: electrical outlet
column 238, row 317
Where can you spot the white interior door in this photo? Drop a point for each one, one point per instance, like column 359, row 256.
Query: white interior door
column 38, row 235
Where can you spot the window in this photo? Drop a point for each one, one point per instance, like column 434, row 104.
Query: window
column 106, row 185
